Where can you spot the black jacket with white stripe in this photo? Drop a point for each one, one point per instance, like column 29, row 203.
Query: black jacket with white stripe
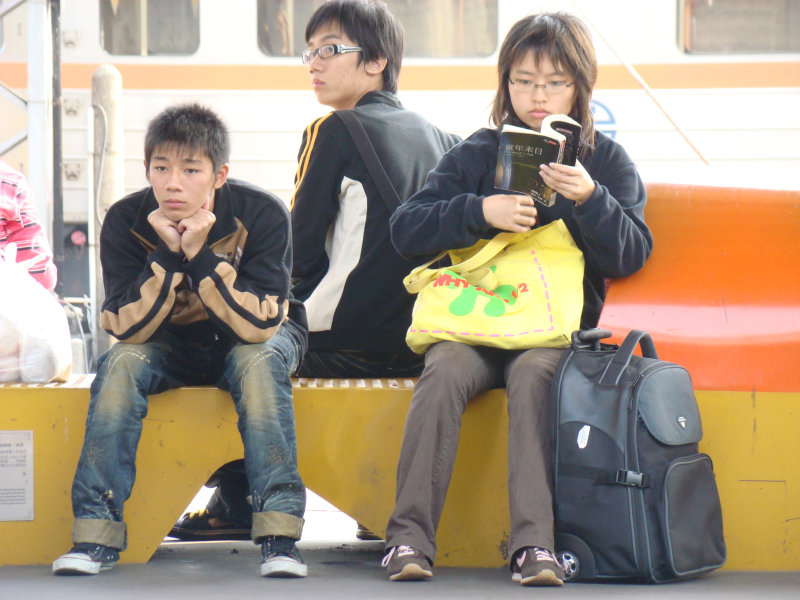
column 345, row 268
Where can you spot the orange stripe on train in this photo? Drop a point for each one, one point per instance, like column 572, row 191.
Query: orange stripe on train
column 417, row 77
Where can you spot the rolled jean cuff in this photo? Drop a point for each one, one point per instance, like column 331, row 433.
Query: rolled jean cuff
column 276, row 523
column 100, row 531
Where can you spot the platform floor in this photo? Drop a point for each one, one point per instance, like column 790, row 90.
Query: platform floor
column 342, row 568
column 347, row 570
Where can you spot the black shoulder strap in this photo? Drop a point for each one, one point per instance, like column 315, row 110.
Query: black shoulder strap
column 370, row 158
column 622, row 357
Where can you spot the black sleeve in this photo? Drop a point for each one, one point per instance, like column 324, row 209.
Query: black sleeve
column 447, row 212
column 139, row 285
column 315, row 203
column 250, row 302
column 616, row 240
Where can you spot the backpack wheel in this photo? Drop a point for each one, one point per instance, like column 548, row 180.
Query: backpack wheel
column 570, row 563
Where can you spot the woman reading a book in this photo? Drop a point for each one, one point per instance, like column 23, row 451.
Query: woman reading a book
column 546, row 65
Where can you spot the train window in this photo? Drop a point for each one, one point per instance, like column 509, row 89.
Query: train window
column 433, row 28
column 150, row 27
column 740, row 26
column 276, row 30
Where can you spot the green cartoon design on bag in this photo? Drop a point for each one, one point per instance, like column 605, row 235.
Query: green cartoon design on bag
column 504, row 295
column 464, row 304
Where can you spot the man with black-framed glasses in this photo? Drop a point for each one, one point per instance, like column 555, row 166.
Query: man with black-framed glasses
column 345, row 267
column 346, row 270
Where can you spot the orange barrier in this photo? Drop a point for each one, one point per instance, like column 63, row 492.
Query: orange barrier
column 721, row 292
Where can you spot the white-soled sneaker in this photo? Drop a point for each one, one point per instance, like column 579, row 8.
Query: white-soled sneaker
column 86, row 559
column 404, row 563
column 281, row 558
column 535, row 566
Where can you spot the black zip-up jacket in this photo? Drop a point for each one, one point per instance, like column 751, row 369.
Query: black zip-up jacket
column 447, row 213
column 345, row 268
column 236, row 287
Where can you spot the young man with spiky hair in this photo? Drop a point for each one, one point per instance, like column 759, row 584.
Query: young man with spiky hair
column 196, row 270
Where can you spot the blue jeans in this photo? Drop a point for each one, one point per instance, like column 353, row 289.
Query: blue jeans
column 258, row 378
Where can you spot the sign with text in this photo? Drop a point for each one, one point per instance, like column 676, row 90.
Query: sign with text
column 16, row 475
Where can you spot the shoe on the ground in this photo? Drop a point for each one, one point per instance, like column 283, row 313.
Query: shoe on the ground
column 280, row 558
column 404, row 563
column 201, row 525
column 362, row 533
column 535, row 566
column 85, row 559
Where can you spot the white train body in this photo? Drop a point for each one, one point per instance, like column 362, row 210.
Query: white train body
column 738, row 110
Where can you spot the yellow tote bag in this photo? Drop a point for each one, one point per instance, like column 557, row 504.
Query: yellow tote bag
column 515, row 291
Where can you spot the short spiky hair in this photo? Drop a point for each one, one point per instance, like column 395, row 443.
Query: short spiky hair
column 370, row 25
column 192, row 127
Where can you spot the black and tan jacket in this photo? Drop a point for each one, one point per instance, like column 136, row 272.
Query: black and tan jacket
column 237, row 286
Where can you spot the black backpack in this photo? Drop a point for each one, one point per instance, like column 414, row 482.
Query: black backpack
column 633, row 497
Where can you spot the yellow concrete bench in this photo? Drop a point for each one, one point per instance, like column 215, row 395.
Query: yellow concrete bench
column 720, row 295
column 349, row 434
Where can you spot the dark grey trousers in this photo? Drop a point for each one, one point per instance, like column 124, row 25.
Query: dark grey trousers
column 453, row 374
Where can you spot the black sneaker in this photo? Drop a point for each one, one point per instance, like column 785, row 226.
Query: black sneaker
column 85, row 559
column 363, row 533
column 535, row 566
column 404, row 563
column 201, row 525
column 280, row 558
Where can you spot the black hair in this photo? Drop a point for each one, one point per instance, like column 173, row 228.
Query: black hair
column 566, row 41
column 370, row 25
column 191, row 127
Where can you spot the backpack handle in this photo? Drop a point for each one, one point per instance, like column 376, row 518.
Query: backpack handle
column 589, row 338
column 622, row 357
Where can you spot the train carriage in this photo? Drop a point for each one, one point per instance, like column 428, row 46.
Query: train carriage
column 682, row 82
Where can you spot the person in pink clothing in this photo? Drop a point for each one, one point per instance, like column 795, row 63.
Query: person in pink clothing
column 19, row 224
